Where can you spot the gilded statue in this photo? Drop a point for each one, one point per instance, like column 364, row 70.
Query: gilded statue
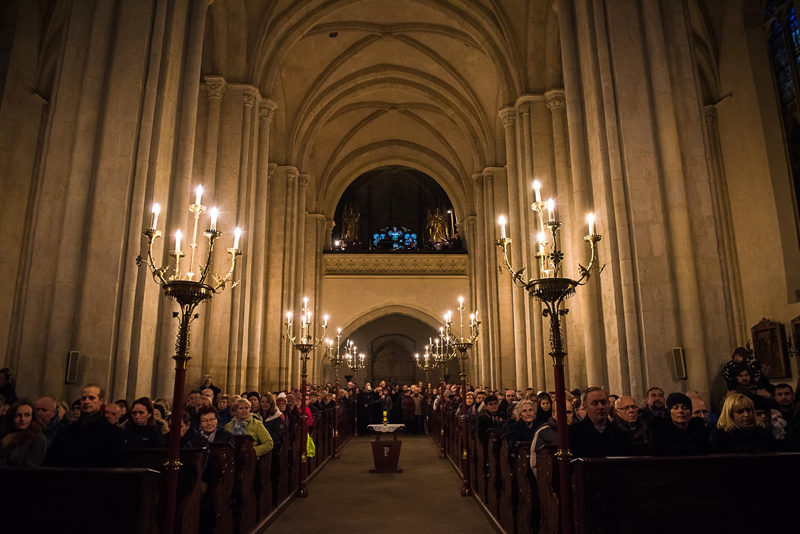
column 436, row 226
column 350, row 224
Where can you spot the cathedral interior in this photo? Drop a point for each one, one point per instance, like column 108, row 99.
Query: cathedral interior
column 367, row 149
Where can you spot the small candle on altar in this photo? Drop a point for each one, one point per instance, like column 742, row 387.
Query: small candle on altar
column 214, row 215
column 537, row 191
column 551, row 206
column 590, row 220
column 154, row 219
column 178, row 235
column 236, row 235
column 502, row 222
column 199, row 196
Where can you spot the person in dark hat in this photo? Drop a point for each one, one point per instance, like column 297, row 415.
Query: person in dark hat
column 678, row 434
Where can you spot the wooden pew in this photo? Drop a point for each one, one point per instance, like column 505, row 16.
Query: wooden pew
column 527, row 519
column 263, row 485
column 246, row 507
column 507, row 504
column 220, row 475
column 482, row 471
column 474, row 462
column 546, row 474
column 190, row 477
column 495, row 483
column 695, row 494
column 47, row 500
column 280, row 475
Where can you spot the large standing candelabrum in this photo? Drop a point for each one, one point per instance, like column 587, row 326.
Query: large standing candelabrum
column 188, row 290
column 305, row 344
column 336, row 359
column 356, row 362
column 440, row 353
column 462, row 345
column 552, row 290
column 426, row 365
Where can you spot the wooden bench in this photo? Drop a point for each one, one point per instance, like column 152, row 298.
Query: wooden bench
column 220, row 476
column 190, row 477
column 47, row 500
column 690, row 494
column 245, row 505
column 495, row 483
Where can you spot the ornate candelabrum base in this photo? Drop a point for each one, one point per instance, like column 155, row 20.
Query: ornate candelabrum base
column 465, row 467
column 302, row 487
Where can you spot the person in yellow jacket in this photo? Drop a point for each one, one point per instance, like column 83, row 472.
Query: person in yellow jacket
column 244, row 423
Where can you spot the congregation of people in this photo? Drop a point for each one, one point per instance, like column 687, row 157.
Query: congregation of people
column 755, row 416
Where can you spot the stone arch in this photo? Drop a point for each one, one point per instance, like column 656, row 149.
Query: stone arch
column 389, row 309
column 392, row 153
column 483, row 24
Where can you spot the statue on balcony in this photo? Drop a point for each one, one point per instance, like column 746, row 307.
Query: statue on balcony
column 436, row 226
column 350, row 223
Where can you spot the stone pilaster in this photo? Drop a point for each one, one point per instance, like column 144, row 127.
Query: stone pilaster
column 299, row 244
column 289, row 362
column 482, row 247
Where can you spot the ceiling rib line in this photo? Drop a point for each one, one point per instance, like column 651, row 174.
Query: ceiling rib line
column 411, row 27
column 382, row 104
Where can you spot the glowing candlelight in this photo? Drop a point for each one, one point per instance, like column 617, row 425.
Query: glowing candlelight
column 289, row 317
column 178, row 235
column 325, row 323
column 551, row 205
column 416, row 357
column 537, row 191
column 590, row 220
column 502, row 222
column 154, row 219
column 199, row 196
column 236, row 235
column 541, row 239
column 214, row 214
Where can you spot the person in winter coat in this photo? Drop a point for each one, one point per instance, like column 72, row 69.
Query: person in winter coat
column 210, row 428
column 273, row 422
column 628, row 420
column 244, row 423
column 737, row 431
column 141, row 431
column 547, row 435
column 679, row 433
column 525, row 426
column 544, row 410
column 23, row 444
column 407, row 405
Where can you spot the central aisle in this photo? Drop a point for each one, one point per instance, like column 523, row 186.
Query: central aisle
column 423, row 498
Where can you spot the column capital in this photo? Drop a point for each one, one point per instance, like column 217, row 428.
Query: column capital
column 508, row 116
column 215, row 85
column 556, row 99
column 266, row 109
column 488, row 176
column 525, row 108
column 249, row 95
column 291, row 174
column 478, row 178
column 303, row 180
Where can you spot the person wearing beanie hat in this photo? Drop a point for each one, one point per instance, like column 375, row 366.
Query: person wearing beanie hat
column 741, row 357
column 160, row 416
column 678, row 433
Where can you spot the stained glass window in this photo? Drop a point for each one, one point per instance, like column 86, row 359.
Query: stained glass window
column 784, row 47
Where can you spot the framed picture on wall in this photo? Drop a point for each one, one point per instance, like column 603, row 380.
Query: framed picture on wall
column 796, row 334
column 771, row 349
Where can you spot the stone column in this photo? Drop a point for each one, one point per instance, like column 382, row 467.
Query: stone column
column 299, row 244
column 258, row 297
column 581, row 187
column 509, row 118
column 500, row 336
column 480, row 251
column 236, row 359
column 289, row 226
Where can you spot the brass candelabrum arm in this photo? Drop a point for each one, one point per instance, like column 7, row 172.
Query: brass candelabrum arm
column 156, row 271
column 516, row 276
column 586, row 272
column 220, row 283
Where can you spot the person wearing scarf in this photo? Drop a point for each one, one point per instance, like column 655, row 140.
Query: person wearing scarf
column 679, row 433
column 244, row 423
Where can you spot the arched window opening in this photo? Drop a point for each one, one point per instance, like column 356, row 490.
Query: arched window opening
column 784, row 47
column 395, row 209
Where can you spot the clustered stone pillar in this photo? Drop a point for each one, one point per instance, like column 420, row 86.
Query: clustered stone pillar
column 480, row 250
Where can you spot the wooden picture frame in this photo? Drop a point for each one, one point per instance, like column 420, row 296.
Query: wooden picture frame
column 770, row 348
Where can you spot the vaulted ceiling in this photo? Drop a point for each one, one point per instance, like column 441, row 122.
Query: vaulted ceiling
column 365, row 83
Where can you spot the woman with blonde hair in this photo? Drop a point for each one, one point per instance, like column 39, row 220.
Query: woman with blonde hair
column 738, row 431
column 524, row 426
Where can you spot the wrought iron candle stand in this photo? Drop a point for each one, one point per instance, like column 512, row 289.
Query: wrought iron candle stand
column 552, row 290
column 188, row 293
column 462, row 345
column 440, row 355
column 305, row 345
column 336, row 359
column 355, row 362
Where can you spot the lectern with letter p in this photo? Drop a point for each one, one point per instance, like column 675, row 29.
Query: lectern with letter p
column 386, row 453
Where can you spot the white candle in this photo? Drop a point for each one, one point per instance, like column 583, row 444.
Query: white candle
column 502, row 222
column 199, row 195
column 416, row 357
column 540, row 238
column 551, row 205
column 471, row 319
column 214, row 214
column 537, row 191
column 289, row 317
column 154, row 219
column 590, row 220
column 460, row 302
column 236, row 235
column 326, row 321
column 476, row 315
column 178, row 235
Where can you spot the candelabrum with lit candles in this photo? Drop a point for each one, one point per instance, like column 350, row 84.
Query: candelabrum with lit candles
column 336, row 359
column 306, row 343
column 426, row 364
column 188, row 289
column 462, row 344
column 551, row 288
column 356, row 362
column 440, row 352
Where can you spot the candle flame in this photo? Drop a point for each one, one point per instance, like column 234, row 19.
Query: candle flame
column 501, row 220
column 156, row 208
column 537, row 184
column 540, row 237
column 551, row 204
column 590, row 218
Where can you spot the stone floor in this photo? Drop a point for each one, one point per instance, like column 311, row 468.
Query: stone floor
column 346, row 497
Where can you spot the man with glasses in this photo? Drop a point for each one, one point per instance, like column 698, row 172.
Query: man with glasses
column 209, row 426
column 627, row 419
column 594, row 436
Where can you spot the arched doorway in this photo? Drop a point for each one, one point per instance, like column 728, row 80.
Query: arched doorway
column 392, row 359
